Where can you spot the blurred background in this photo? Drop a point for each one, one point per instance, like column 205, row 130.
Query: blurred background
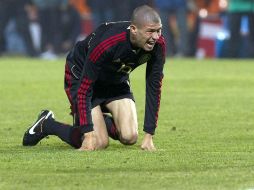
column 47, row 29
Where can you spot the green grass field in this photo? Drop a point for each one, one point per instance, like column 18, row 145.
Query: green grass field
column 205, row 136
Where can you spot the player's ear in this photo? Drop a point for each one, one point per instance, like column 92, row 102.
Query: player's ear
column 133, row 29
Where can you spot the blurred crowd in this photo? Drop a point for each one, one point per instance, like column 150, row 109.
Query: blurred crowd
column 49, row 28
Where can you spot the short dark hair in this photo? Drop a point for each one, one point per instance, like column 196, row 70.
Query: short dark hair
column 144, row 14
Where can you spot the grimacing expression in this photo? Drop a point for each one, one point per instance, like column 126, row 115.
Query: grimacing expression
column 147, row 35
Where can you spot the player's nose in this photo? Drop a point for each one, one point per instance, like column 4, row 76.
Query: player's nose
column 155, row 35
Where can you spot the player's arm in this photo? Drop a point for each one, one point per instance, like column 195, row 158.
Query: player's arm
column 154, row 76
column 90, row 74
column 84, row 105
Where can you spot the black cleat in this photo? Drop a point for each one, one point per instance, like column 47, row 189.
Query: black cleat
column 34, row 134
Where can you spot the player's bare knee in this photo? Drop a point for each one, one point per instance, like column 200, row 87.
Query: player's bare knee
column 129, row 139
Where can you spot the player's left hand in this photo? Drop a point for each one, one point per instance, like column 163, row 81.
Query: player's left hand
column 147, row 143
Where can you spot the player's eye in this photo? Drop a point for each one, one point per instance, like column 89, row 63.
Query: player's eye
column 150, row 31
column 158, row 30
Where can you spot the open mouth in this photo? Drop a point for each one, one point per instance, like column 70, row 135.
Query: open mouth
column 150, row 44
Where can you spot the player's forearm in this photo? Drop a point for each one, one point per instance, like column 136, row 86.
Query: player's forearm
column 153, row 96
column 84, row 105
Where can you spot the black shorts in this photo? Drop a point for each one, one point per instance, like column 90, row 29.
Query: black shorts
column 102, row 94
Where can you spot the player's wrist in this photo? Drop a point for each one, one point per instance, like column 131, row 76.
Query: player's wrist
column 89, row 134
column 150, row 130
column 86, row 128
column 148, row 135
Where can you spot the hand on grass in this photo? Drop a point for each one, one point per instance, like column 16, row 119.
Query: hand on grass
column 89, row 142
column 147, row 143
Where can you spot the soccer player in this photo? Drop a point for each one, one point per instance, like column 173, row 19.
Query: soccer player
column 97, row 83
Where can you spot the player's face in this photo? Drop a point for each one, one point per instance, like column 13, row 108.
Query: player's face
column 147, row 35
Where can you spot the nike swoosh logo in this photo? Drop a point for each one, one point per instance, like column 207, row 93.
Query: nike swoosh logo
column 31, row 130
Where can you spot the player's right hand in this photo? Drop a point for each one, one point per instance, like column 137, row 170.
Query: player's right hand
column 89, row 142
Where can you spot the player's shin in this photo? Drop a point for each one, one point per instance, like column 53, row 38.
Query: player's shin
column 66, row 133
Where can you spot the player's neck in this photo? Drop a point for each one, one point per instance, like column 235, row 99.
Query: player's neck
column 133, row 43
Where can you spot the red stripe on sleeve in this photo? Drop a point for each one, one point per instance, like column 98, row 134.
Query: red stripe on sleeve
column 82, row 101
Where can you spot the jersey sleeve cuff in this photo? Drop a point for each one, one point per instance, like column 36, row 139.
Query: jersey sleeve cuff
column 150, row 130
column 86, row 128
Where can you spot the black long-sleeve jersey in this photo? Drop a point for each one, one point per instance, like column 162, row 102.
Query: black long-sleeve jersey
column 107, row 56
